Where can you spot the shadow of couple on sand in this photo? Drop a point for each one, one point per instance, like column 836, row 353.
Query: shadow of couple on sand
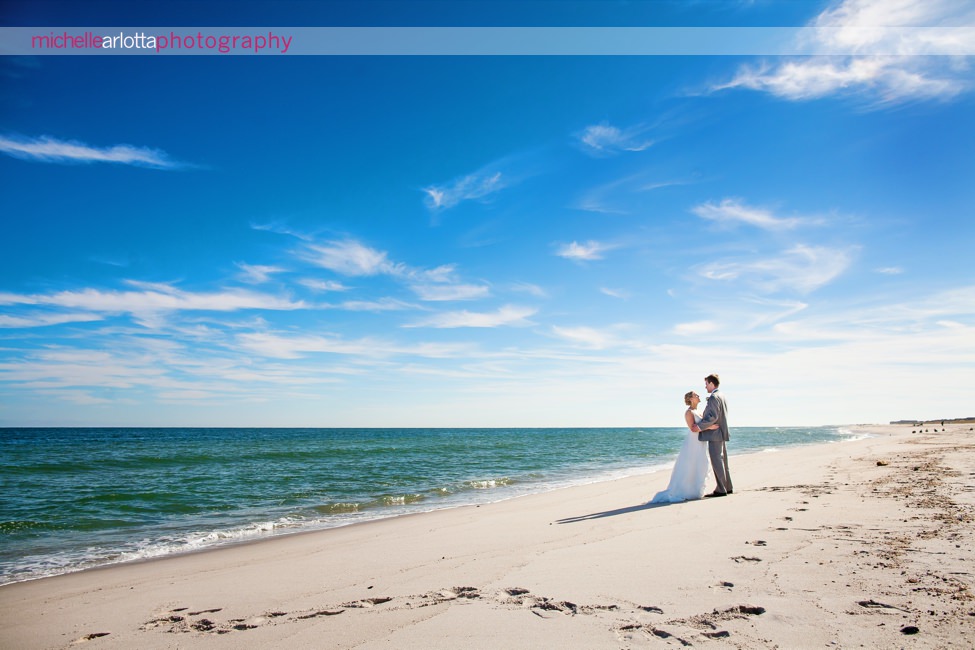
column 613, row 513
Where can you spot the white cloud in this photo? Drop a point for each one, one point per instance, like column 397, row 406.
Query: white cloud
column 890, row 270
column 588, row 337
column 283, row 346
column 507, row 315
column 44, row 320
column 801, row 268
column 781, row 309
column 440, row 292
column 895, row 68
column 322, row 285
column 383, row 304
column 615, row 293
column 256, row 273
column 733, row 210
column 585, row 252
column 292, row 347
column 280, row 228
column 603, row 139
column 696, row 328
column 152, row 299
column 353, row 258
column 531, row 289
column 349, row 257
column 473, row 186
column 47, row 149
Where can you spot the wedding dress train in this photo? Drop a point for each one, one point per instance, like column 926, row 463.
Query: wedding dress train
column 690, row 475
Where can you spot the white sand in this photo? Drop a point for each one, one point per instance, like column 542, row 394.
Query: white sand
column 818, row 547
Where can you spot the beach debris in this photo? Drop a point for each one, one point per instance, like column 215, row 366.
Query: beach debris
column 93, row 635
column 745, row 558
column 204, row 611
column 882, row 463
column 516, row 591
column 758, row 542
column 910, row 629
column 720, row 634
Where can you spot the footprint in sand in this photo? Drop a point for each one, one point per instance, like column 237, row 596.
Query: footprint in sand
column 324, row 612
column 367, row 602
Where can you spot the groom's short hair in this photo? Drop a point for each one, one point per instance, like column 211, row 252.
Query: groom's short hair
column 713, row 379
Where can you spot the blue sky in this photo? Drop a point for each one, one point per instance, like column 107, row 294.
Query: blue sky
column 486, row 241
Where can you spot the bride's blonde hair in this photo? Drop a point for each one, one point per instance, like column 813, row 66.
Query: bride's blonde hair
column 687, row 397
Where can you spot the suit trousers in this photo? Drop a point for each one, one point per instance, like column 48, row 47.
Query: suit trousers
column 718, row 451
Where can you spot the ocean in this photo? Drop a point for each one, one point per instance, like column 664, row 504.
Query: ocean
column 72, row 499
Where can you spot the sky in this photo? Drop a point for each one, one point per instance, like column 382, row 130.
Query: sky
column 487, row 241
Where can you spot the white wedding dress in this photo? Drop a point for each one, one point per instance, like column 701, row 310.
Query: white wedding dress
column 689, row 479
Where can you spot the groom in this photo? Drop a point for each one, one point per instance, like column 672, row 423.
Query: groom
column 716, row 412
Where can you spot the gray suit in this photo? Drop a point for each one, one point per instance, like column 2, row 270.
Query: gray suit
column 717, row 411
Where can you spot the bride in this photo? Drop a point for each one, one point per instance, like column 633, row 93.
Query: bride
column 693, row 466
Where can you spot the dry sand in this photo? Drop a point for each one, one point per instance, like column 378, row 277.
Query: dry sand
column 858, row 544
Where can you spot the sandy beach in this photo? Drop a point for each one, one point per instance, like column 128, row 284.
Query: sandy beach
column 866, row 543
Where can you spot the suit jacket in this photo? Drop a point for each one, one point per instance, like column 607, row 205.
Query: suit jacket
column 715, row 411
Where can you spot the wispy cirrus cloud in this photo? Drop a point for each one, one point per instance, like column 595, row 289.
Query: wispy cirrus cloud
column 584, row 252
column 349, row 257
column 801, row 268
column 622, row 294
column 696, row 328
column 280, row 346
column 605, row 139
column 353, row 258
column 732, row 210
column 150, row 298
column 52, row 150
column 294, row 346
column 505, row 316
column 45, row 319
column 440, row 292
column 381, row 305
column 478, row 185
column 322, row 285
column 257, row 273
column 587, row 337
column 891, row 66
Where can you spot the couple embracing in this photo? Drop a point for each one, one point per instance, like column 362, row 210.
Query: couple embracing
column 704, row 449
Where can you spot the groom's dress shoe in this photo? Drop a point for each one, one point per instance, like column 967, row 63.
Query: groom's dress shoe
column 715, row 494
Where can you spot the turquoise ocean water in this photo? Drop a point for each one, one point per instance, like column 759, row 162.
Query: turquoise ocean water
column 77, row 498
